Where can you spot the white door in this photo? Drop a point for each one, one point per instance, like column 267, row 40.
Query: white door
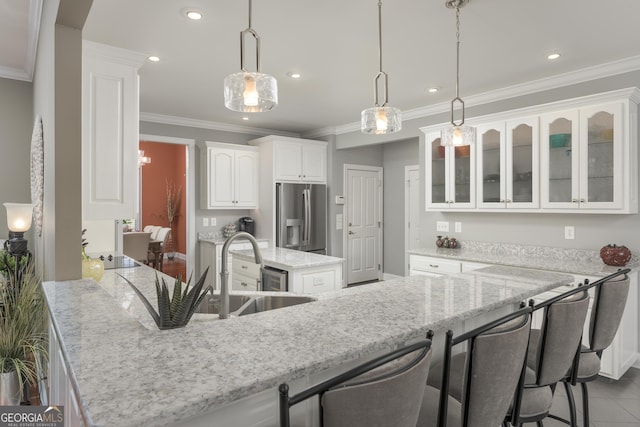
column 412, row 211
column 364, row 223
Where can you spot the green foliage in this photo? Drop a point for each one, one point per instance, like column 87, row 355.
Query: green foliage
column 10, row 260
column 174, row 312
column 23, row 320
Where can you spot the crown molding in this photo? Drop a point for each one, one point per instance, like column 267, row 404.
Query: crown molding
column 33, row 31
column 14, row 74
column 113, row 54
column 561, row 80
column 205, row 124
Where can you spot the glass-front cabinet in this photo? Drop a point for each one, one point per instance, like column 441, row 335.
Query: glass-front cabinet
column 508, row 164
column 583, row 163
column 450, row 176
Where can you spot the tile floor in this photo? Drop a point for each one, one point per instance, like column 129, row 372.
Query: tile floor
column 612, row 403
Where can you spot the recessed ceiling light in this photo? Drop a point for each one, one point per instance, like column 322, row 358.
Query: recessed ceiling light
column 154, row 58
column 245, row 118
column 194, row 14
column 432, row 89
column 294, row 75
column 553, row 56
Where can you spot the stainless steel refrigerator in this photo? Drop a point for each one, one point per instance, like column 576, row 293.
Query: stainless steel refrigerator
column 301, row 217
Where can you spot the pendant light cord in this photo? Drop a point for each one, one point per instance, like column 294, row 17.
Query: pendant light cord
column 457, row 52
column 253, row 33
column 380, row 33
column 381, row 74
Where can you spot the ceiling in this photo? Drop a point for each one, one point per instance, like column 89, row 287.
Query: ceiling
column 333, row 43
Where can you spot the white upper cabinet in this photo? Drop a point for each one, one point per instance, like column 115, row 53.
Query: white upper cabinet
column 110, row 110
column 229, row 176
column 300, row 161
column 574, row 156
column 450, row 177
column 508, row 164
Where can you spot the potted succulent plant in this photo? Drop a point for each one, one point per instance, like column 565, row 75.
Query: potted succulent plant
column 23, row 334
column 174, row 312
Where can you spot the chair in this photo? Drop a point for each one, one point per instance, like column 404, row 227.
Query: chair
column 552, row 350
column 135, row 245
column 606, row 314
column 476, row 387
column 385, row 391
column 162, row 235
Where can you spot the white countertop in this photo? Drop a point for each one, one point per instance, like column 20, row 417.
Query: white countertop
column 575, row 261
column 127, row 374
column 288, row 259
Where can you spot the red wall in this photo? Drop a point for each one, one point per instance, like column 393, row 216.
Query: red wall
column 168, row 162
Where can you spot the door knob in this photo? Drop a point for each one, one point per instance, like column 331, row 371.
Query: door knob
column 351, row 232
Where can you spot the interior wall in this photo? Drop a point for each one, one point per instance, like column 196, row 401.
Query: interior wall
column 16, row 123
column 395, row 156
column 168, row 165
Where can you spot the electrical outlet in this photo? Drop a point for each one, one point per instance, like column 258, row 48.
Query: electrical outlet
column 205, row 222
column 442, row 226
column 213, row 222
column 458, row 227
column 569, row 232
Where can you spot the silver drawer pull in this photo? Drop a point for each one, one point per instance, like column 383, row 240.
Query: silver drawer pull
column 434, row 266
column 243, row 284
column 245, row 267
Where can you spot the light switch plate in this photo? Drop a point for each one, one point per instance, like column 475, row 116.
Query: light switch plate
column 458, row 227
column 569, row 232
column 338, row 221
column 205, row 222
column 442, row 226
column 213, row 222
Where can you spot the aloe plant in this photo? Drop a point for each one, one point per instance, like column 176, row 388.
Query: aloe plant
column 174, row 312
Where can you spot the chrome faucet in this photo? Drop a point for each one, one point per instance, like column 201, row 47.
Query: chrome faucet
column 224, row 270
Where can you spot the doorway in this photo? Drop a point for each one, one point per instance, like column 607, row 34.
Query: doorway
column 411, row 212
column 170, row 172
column 362, row 244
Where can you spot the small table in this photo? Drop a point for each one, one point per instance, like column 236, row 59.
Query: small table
column 155, row 246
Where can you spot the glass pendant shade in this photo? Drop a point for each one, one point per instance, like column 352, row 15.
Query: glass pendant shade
column 457, row 136
column 381, row 120
column 19, row 216
column 250, row 92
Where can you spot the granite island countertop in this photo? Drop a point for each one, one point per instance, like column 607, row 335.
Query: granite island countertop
column 288, row 259
column 127, row 374
column 574, row 261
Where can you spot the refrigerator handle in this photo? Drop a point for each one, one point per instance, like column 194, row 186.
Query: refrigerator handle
column 307, row 216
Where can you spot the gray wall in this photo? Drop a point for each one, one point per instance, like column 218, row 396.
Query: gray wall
column 396, row 155
column 16, row 122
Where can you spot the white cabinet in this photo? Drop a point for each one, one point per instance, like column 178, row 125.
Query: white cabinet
column 229, row 176
column 246, row 275
column 314, row 280
column 421, row 265
column 450, row 177
column 300, row 162
column 211, row 256
column 61, row 391
column 508, row 164
column 110, row 109
column 587, row 158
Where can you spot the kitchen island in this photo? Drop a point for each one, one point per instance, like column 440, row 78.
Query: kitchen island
column 307, row 272
column 116, row 368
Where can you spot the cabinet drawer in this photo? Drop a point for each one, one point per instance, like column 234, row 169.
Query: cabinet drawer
column 319, row 281
column 434, row 265
column 240, row 282
column 246, row 268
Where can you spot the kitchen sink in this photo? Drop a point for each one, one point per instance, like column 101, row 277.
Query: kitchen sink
column 241, row 305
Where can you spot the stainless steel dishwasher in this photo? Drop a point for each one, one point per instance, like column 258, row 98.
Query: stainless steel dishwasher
column 274, row 279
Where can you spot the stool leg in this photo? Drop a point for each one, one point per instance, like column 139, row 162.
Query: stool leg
column 585, row 403
column 572, row 404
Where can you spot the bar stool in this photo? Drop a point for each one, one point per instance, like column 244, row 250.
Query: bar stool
column 552, row 350
column 385, row 391
column 606, row 314
column 476, row 387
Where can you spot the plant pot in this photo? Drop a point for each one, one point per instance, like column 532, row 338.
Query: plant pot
column 9, row 389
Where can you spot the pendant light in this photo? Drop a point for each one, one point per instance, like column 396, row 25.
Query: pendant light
column 458, row 134
column 250, row 92
column 381, row 119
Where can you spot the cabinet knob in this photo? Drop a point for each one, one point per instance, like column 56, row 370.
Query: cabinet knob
column 243, row 284
column 574, row 200
column 508, row 200
column 351, row 232
column 583, row 201
column 245, row 267
column 304, row 176
column 434, row 266
column 503, row 201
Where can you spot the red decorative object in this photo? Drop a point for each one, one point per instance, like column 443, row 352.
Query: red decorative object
column 615, row 255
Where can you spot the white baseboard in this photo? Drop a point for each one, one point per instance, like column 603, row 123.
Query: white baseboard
column 637, row 363
column 389, row 276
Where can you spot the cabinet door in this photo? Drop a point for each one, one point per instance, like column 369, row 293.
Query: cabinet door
column 221, row 175
column 522, row 163
column 436, row 196
column 491, row 149
column 601, row 151
column 288, row 158
column 109, row 139
column 314, row 163
column 559, row 160
column 246, row 179
column 462, row 177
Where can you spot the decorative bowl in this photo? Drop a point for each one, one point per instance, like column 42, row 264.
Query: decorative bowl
column 615, row 255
